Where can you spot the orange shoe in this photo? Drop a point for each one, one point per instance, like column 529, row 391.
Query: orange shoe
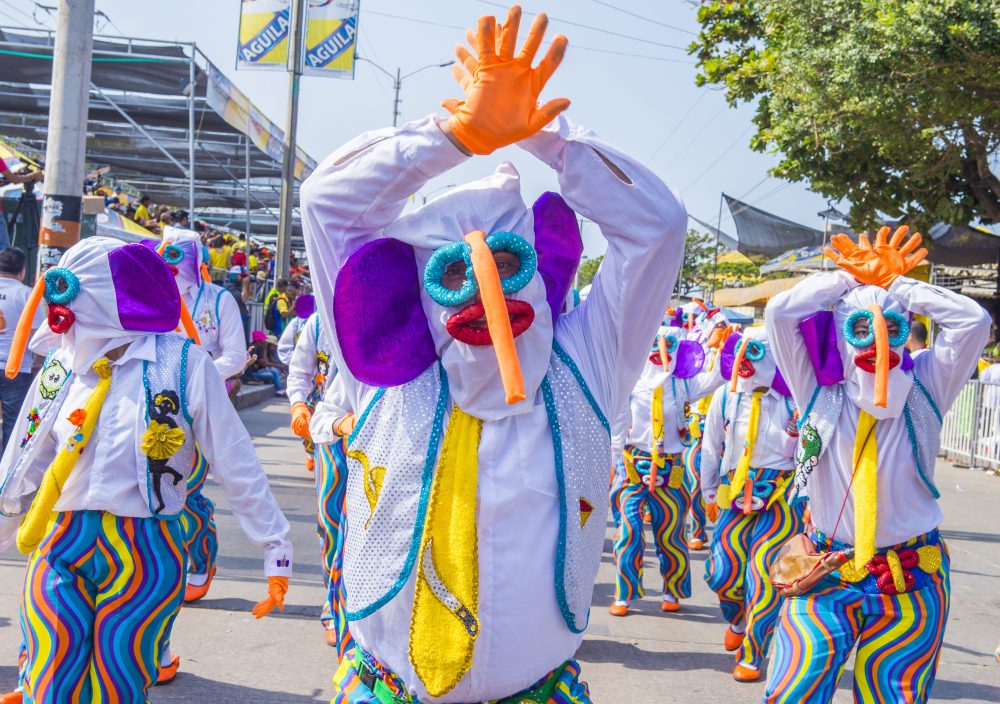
column 11, row 698
column 670, row 606
column 193, row 593
column 695, row 544
column 742, row 673
column 310, row 464
column 331, row 637
column 647, row 517
column 618, row 609
column 167, row 672
column 732, row 640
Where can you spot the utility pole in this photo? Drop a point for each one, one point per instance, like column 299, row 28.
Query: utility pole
column 67, row 136
column 283, row 245
column 395, row 102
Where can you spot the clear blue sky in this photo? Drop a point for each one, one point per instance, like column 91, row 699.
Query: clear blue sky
column 642, row 99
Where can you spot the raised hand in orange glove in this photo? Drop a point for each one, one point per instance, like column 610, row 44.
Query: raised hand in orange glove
column 301, row 415
column 879, row 265
column 277, row 587
column 501, row 94
column 712, row 511
column 344, row 425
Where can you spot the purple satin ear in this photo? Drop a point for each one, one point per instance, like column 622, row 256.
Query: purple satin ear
column 907, row 363
column 559, row 247
column 678, row 320
column 305, row 305
column 380, row 323
column 819, row 332
column 727, row 357
column 146, row 293
column 780, row 385
column 690, row 359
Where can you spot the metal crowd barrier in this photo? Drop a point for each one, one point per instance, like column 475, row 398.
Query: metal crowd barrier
column 970, row 434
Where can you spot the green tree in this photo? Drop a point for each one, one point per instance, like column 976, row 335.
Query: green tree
column 588, row 268
column 699, row 250
column 891, row 104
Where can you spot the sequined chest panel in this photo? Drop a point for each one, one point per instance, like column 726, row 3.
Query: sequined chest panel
column 391, row 461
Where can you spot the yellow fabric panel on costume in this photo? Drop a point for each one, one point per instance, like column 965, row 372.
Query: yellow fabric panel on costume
column 865, row 490
column 445, row 623
column 33, row 527
column 743, row 466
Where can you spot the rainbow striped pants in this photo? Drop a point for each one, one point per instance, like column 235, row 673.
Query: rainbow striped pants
column 100, row 593
column 331, row 488
column 742, row 550
column 898, row 639
column 618, row 482
column 198, row 520
column 692, row 484
column 666, row 508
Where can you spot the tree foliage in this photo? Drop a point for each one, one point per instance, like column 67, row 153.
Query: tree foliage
column 891, row 104
column 588, row 268
column 702, row 271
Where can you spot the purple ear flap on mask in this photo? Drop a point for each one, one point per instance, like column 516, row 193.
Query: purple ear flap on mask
column 690, row 359
column 145, row 290
column 819, row 333
column 779, row 384
column 380, row 322
column 727, row 358
column 559, row 247
column 907, row 363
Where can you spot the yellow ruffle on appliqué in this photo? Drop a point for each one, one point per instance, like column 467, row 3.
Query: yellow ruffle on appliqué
column 930, row 558
column 160, row 441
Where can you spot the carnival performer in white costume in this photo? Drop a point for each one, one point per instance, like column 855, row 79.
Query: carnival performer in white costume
column 658, row 409
column 98, row 478
column 870, row 428
column 747, row 467
column 479, row 463
column 305, row 306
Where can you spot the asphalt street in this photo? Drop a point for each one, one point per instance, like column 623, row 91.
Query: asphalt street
column 228, row 656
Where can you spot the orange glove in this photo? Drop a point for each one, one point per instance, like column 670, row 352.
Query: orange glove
column 807, row 516
column 501, row 94
column 712, row 511
column 301, row 415
column 277, row 587
column 344, row 426
column 879, row 265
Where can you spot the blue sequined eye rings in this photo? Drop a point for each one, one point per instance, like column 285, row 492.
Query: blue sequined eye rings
column 172, row 254
column 61, row 286
column 671, row 343
column 897, row 340
column 755, row 350
column 445, row 256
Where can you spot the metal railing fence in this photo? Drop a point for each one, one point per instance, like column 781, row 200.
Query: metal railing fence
column 970, row 434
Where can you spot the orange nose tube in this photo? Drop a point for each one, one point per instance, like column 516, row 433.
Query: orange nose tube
column 204, row 273
column 497, row 317
column 664, row 356
column 19, row 343
column 740, row 353
column 188, row 323
column 881, row 356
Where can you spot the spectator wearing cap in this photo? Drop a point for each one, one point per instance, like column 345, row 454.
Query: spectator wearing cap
column 264, row 366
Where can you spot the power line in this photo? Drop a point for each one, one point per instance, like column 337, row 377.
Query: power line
column 596, row 29
column 695, row 138
column 643, row 18
column 719, row 158
column 572, row 46
column 755, row 186
column 18, row 10
column 680, row 122
column 11, row 17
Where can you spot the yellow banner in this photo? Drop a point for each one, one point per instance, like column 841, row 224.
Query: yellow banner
column 331, row 34
column 264, row 27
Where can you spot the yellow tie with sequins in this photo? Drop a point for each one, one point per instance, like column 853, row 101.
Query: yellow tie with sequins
column 445, row 622
column 32, row 528
column 743, row 465
column 865, row 489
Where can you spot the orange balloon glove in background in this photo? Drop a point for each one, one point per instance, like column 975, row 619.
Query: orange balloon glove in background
column 301, row 415
column 879, row 265
column 712, row 511
column 277, row 587
column 501, row 94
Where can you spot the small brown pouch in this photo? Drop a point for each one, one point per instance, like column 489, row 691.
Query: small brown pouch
column 799, row 567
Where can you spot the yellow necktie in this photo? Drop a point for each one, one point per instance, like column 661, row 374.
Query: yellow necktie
column 865, row 490
column 32, row 528
column 445, row 622
column 743, row 466
column 656, row 419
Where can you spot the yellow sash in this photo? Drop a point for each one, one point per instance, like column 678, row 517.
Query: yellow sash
column 725, row 500
column 865, row 490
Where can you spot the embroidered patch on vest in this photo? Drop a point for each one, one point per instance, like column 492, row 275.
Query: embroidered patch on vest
column 51, row 379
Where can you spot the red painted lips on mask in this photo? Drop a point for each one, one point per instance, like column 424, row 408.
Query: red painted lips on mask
column 866, row 360
column 469, row 324
column 746, row 369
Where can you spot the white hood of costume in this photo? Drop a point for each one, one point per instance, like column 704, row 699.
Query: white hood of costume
column 492, row 204
column 763, row 369
column 189, row 269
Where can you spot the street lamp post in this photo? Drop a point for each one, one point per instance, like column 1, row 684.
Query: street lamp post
column 397, row 81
